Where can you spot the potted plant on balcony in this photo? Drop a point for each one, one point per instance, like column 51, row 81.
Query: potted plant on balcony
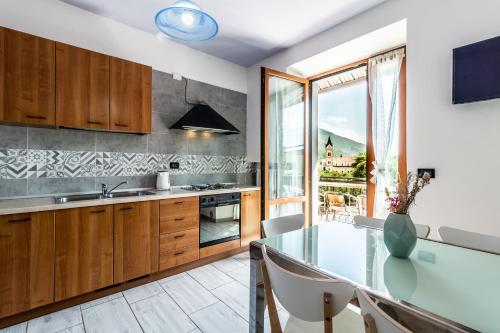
column 400, row 235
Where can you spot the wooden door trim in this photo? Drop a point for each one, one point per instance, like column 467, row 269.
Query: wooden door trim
column 338, row 70
column 265, row 74
column 272, row 72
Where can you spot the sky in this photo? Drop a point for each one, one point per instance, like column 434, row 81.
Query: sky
column 343, row 111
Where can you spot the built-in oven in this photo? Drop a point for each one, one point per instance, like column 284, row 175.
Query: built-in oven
column 219, row 218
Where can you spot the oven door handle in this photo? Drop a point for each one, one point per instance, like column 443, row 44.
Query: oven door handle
column 220, row 204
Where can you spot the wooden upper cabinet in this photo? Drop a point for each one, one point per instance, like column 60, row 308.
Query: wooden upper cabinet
column 84, row 250
column 130, row 96
column 250, row 217
column 27, row 78
column 136, row 240
column 82, row 89
column 26, row 261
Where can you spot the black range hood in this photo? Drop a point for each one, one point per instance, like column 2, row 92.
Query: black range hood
column 203, row 118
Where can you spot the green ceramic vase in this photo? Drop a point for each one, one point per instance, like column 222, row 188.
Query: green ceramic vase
column 400, row 235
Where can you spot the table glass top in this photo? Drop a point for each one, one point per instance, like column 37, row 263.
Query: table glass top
column 455, row 283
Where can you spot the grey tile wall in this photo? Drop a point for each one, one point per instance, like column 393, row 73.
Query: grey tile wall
column 41, row 161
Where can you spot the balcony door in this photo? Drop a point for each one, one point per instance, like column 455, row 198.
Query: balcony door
column 285, row 145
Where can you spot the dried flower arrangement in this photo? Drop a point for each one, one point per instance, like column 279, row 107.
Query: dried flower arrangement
column 406, row 192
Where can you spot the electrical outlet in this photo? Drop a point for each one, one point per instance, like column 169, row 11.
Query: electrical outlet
column 174, row 165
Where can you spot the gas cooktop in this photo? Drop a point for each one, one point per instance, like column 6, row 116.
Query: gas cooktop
column 208, row 187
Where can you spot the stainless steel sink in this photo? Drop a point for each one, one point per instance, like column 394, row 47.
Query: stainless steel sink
column 129, row 194
column 99, row 196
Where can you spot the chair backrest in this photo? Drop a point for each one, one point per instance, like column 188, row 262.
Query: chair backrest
column 369, row 222
column 333, row 199
column 383, row 322
column 280, row 225
column 422, row 229
column 362, row 203
column 470, row 239
column 303, row 296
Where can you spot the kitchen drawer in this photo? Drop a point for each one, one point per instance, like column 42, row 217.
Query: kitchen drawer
column 180, row 223
column 179, row 240
column 179, row 207
column 179, row 257
column 220, row 248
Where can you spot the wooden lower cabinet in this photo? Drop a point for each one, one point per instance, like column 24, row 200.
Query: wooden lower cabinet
column 84, row 250
column 136, row 240
column 26, row 261
column 250, row 217
column 179, row 231
column 179, row 257
column 179, row 240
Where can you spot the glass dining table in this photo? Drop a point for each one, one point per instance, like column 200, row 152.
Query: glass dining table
column 440, row 288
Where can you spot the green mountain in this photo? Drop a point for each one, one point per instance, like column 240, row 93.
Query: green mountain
column 342, row 146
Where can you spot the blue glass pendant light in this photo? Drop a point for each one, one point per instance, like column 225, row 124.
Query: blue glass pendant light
column 186, row 21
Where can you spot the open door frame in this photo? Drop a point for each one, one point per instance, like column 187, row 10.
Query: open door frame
column 266, row 73
column 402, row 162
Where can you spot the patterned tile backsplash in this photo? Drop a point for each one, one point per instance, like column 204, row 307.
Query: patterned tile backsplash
column 24, row 163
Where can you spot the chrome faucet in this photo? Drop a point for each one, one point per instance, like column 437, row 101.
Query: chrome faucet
column 104, row 188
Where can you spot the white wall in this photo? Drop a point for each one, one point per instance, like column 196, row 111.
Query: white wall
column 59, row 21
column 460, row 141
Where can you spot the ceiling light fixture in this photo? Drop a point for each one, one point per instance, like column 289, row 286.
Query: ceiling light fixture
column 184, row 20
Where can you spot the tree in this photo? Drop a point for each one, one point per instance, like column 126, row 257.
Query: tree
column 359, row 165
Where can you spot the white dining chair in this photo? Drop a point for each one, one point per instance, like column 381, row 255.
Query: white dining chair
column 315, row 305
column 375, row 319
column 371, row 222
column 470, row 239
column 280, row 225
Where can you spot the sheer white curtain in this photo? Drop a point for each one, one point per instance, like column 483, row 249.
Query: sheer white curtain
column 383, row 83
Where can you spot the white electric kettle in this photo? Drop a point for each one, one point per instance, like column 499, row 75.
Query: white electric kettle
column 162, row 181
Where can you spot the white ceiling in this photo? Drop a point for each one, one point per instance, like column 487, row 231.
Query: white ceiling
column 250, row 30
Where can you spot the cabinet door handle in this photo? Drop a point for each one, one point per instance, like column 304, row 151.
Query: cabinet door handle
column 26, row 219
column 179, row 236
column 178, row 253
column 97, row 211
column 35, row 117
column 246, row 195
column 121, row 125
column 127, row 208
column 178, row 202
column 95, row 122
column 177, row 219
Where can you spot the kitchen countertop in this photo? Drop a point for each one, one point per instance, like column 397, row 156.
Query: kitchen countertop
column 39, row 204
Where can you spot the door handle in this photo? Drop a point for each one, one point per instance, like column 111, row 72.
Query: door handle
column 127, row 208
column 97, row 211
column 179, row 236
column 35, row 117
column 95, row 122
column 178, row 253
column 26, row 219
column 178, row 202
column 121, row 125
column 177, row 219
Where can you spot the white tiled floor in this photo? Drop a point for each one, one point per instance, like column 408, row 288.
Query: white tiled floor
column 210, row 299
